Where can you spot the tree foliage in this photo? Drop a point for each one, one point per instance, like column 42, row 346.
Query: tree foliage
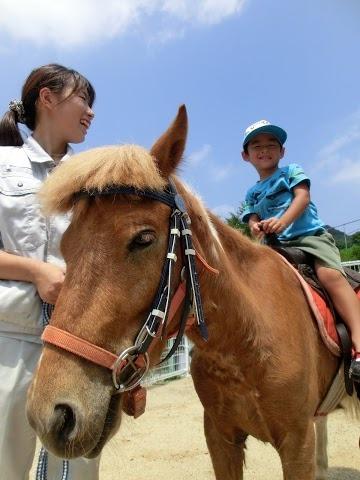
column 352, row 253
column 235, row 221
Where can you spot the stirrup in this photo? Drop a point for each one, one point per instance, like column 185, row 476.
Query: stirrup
column 354, row 370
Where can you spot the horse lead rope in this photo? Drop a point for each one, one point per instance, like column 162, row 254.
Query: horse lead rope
column 42, row 466
column 43, row 459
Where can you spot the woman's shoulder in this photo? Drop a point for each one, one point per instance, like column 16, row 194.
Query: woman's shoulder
column 13, row 156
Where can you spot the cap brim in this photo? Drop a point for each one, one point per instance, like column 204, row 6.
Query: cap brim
column 277, row 132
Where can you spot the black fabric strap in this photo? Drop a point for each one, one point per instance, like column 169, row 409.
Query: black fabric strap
column 167, row 197
column 170, row 197
column 346, row 351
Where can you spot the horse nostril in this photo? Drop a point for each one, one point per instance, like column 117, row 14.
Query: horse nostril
column 64, row 421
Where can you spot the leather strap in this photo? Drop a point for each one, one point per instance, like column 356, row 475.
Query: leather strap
column 346, row 346
column 134, row 402
column 71, row 343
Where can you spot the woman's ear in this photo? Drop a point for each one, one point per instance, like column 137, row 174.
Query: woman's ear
column 47, row 98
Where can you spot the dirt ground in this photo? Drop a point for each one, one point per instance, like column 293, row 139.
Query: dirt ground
column 167, row 442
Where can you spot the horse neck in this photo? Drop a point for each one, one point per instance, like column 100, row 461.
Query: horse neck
column 229, row 305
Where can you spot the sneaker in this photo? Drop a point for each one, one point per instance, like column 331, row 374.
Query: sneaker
column 354, row 370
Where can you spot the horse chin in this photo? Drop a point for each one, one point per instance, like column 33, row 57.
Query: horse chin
column 111, row 425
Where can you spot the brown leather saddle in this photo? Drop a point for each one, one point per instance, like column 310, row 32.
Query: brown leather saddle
column 304, row 262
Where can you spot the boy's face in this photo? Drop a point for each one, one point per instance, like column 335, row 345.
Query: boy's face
column 264, row 153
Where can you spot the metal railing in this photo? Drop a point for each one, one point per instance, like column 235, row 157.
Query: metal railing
column 354, row 265
column 176, row 366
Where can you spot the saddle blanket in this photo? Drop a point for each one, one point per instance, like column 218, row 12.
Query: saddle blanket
column 322, row 313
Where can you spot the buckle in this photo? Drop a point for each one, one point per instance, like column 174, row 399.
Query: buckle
column 138, row 366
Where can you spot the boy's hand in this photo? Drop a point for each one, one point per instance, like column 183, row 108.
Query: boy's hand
column 273, row 225
column 256, row 230
column 48, row 280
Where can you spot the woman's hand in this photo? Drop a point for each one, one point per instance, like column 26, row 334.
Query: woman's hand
column 48, row 280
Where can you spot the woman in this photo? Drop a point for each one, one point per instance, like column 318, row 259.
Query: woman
column 56, row 106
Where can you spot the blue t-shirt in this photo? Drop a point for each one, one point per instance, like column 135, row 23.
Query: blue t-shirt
column 272, row 196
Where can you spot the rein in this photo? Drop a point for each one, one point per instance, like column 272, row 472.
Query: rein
column 130, row 366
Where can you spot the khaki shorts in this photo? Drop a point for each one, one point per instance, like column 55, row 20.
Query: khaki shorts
column 322, row 247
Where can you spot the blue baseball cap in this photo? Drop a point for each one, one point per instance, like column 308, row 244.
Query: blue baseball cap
column 263, row 126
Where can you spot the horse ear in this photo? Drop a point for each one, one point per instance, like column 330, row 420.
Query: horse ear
column 169, row 148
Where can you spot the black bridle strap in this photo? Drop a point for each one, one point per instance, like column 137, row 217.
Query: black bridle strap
column 157, row 317
column 164, row 196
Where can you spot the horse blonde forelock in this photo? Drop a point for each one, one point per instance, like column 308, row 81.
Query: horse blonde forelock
column 126, row 165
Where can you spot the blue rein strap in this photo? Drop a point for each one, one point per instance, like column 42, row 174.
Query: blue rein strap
column 43, row 460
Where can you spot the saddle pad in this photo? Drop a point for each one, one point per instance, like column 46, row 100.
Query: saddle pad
column 322, row 314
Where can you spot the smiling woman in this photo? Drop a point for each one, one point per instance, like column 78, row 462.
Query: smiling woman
column 56, row 105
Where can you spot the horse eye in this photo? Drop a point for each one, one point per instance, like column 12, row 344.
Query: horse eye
column 142, row 240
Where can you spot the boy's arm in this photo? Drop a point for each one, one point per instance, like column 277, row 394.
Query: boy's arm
column 298, row 205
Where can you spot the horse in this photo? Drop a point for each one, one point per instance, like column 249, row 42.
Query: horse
column 259, row 366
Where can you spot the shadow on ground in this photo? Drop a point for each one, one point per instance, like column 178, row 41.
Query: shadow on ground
column 343, row 474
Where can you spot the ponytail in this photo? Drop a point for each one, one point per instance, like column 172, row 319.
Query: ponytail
column 9, row 131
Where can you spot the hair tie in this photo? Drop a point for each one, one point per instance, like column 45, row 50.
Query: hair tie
column 17, row 107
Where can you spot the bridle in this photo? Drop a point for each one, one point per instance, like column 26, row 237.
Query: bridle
column 131, row 365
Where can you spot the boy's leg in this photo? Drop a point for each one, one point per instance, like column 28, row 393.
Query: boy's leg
column 346, row 303
column 18, row 360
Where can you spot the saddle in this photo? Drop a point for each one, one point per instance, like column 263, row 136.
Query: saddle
column 304, row 263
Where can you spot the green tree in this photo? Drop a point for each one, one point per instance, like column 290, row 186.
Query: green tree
column 349, row 254
column 356, row 238
column 235, row 221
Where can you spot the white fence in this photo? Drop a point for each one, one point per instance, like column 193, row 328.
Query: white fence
column 354, row 265
column 178, row 365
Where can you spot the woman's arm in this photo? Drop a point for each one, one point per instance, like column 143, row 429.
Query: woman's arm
column 47, row 278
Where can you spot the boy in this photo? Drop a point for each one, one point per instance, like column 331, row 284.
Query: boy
column 280, row 203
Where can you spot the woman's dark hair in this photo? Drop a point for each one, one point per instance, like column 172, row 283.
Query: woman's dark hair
column 53, row 76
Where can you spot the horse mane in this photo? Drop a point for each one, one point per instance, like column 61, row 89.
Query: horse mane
column 128, row 165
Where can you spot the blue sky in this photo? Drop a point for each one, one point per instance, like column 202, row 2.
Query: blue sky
column 232, row 62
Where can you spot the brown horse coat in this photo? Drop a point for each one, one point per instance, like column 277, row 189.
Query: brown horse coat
column 264, row 369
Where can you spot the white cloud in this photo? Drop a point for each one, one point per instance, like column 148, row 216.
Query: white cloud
column 68, row 23
column 213, row 169
column 219, row 173
column 196, row 158
column 349, row 172
column 203, row 11
column 340, row 159
column 223, row 210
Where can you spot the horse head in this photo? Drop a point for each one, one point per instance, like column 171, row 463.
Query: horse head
column 115, row 248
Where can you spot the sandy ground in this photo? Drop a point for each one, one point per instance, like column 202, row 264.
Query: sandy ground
column 167, row 442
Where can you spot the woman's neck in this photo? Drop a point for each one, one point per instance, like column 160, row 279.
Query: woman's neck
column 54, row 147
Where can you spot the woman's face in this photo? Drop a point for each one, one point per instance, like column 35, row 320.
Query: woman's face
column 72, row 115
